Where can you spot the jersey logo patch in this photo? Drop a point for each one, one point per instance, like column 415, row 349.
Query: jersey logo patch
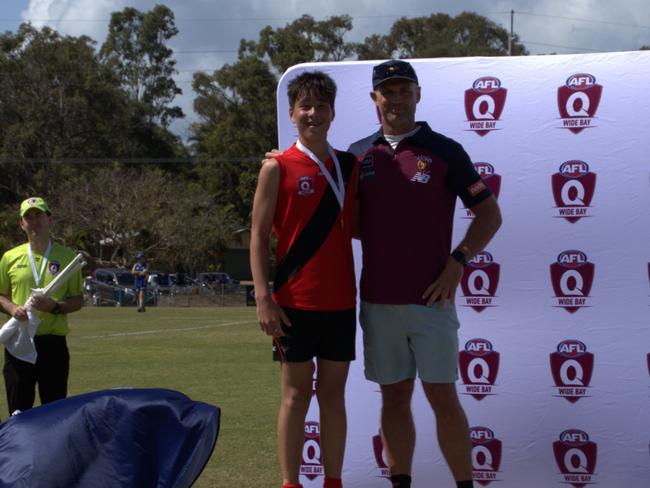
column 476, row 188
column 53, row 267
column 305, row 186
column 423, row 174
column 367, row 167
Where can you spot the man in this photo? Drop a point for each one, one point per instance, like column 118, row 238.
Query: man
column 410, row 178
column 307, row 197
column 140, row 271
column 33, row 265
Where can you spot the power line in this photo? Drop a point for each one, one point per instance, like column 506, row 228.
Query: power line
column 234, row 19
column 392, row 16
column 593, row 21
column 560, row 46
column 210, row 51
column 107, row 161
column 250, row 19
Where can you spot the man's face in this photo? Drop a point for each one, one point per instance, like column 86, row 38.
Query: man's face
column 35, row 223
column 397, row 100
column 312, row 116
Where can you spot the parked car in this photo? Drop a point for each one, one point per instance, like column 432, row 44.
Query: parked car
column 214, row 278
column 211, row 282
column 114, row 286
column 160, row 282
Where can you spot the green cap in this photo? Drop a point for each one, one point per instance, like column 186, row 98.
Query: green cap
column 34, row 202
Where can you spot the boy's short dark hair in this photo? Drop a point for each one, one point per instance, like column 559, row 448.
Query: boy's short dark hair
column 312, row 82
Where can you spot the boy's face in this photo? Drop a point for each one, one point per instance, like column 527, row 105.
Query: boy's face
column 312, row 116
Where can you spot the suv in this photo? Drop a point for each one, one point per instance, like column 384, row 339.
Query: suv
column 113, row 286
column 163, row 283
column 214, row 278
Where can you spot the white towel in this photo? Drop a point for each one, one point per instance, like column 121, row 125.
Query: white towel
column 18, row 336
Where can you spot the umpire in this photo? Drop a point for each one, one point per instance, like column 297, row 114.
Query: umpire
column 33, row 265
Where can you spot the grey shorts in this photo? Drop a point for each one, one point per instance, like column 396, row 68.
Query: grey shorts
column 402, row 340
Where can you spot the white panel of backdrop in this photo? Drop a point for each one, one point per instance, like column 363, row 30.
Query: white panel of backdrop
column 554, row 360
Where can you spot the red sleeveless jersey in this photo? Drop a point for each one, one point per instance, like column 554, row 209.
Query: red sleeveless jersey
column 326, row 281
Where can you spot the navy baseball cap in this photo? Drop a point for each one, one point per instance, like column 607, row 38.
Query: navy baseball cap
column 140, row 255
column 393, row 69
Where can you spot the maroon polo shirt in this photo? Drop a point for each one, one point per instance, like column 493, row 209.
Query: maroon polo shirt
column 408, row 198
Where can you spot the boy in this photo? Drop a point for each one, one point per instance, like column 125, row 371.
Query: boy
column 306, row 196
column 140, row 272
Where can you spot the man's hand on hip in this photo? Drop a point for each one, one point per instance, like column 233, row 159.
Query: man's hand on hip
column 444, row 288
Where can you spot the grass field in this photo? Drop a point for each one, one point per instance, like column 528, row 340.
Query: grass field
column 215, row 355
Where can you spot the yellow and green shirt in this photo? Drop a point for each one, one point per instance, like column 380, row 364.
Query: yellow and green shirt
column 17, row 281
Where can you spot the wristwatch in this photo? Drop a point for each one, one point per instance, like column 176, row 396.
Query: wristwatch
column 459, row 256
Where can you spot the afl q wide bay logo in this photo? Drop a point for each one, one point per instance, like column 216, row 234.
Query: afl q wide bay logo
column 578, row 101
column 480, row 281
column 491, row 179
column 573, row 189
column 311, row 466
column 484, row 104
column 572, row 276
column 575, row 455
column 486, row 455
column 479, row 367
column 572, row 367
column 305, row 186
column 382, row 463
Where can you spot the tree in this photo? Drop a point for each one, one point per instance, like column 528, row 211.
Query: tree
column 10, row 232
column 440, row 35
column 135, row 49
column 57, row 102
column 303, row 40
column 374, row 47
column 236, row 104
column 131, row 209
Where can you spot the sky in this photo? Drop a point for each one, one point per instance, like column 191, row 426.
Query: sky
column 210, row 30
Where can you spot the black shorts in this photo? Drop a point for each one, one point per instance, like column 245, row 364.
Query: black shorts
column 323, row 334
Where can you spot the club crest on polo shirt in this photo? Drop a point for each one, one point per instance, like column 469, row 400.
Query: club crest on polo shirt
column 54, row 267
column 305, row 186
column 423, row 166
